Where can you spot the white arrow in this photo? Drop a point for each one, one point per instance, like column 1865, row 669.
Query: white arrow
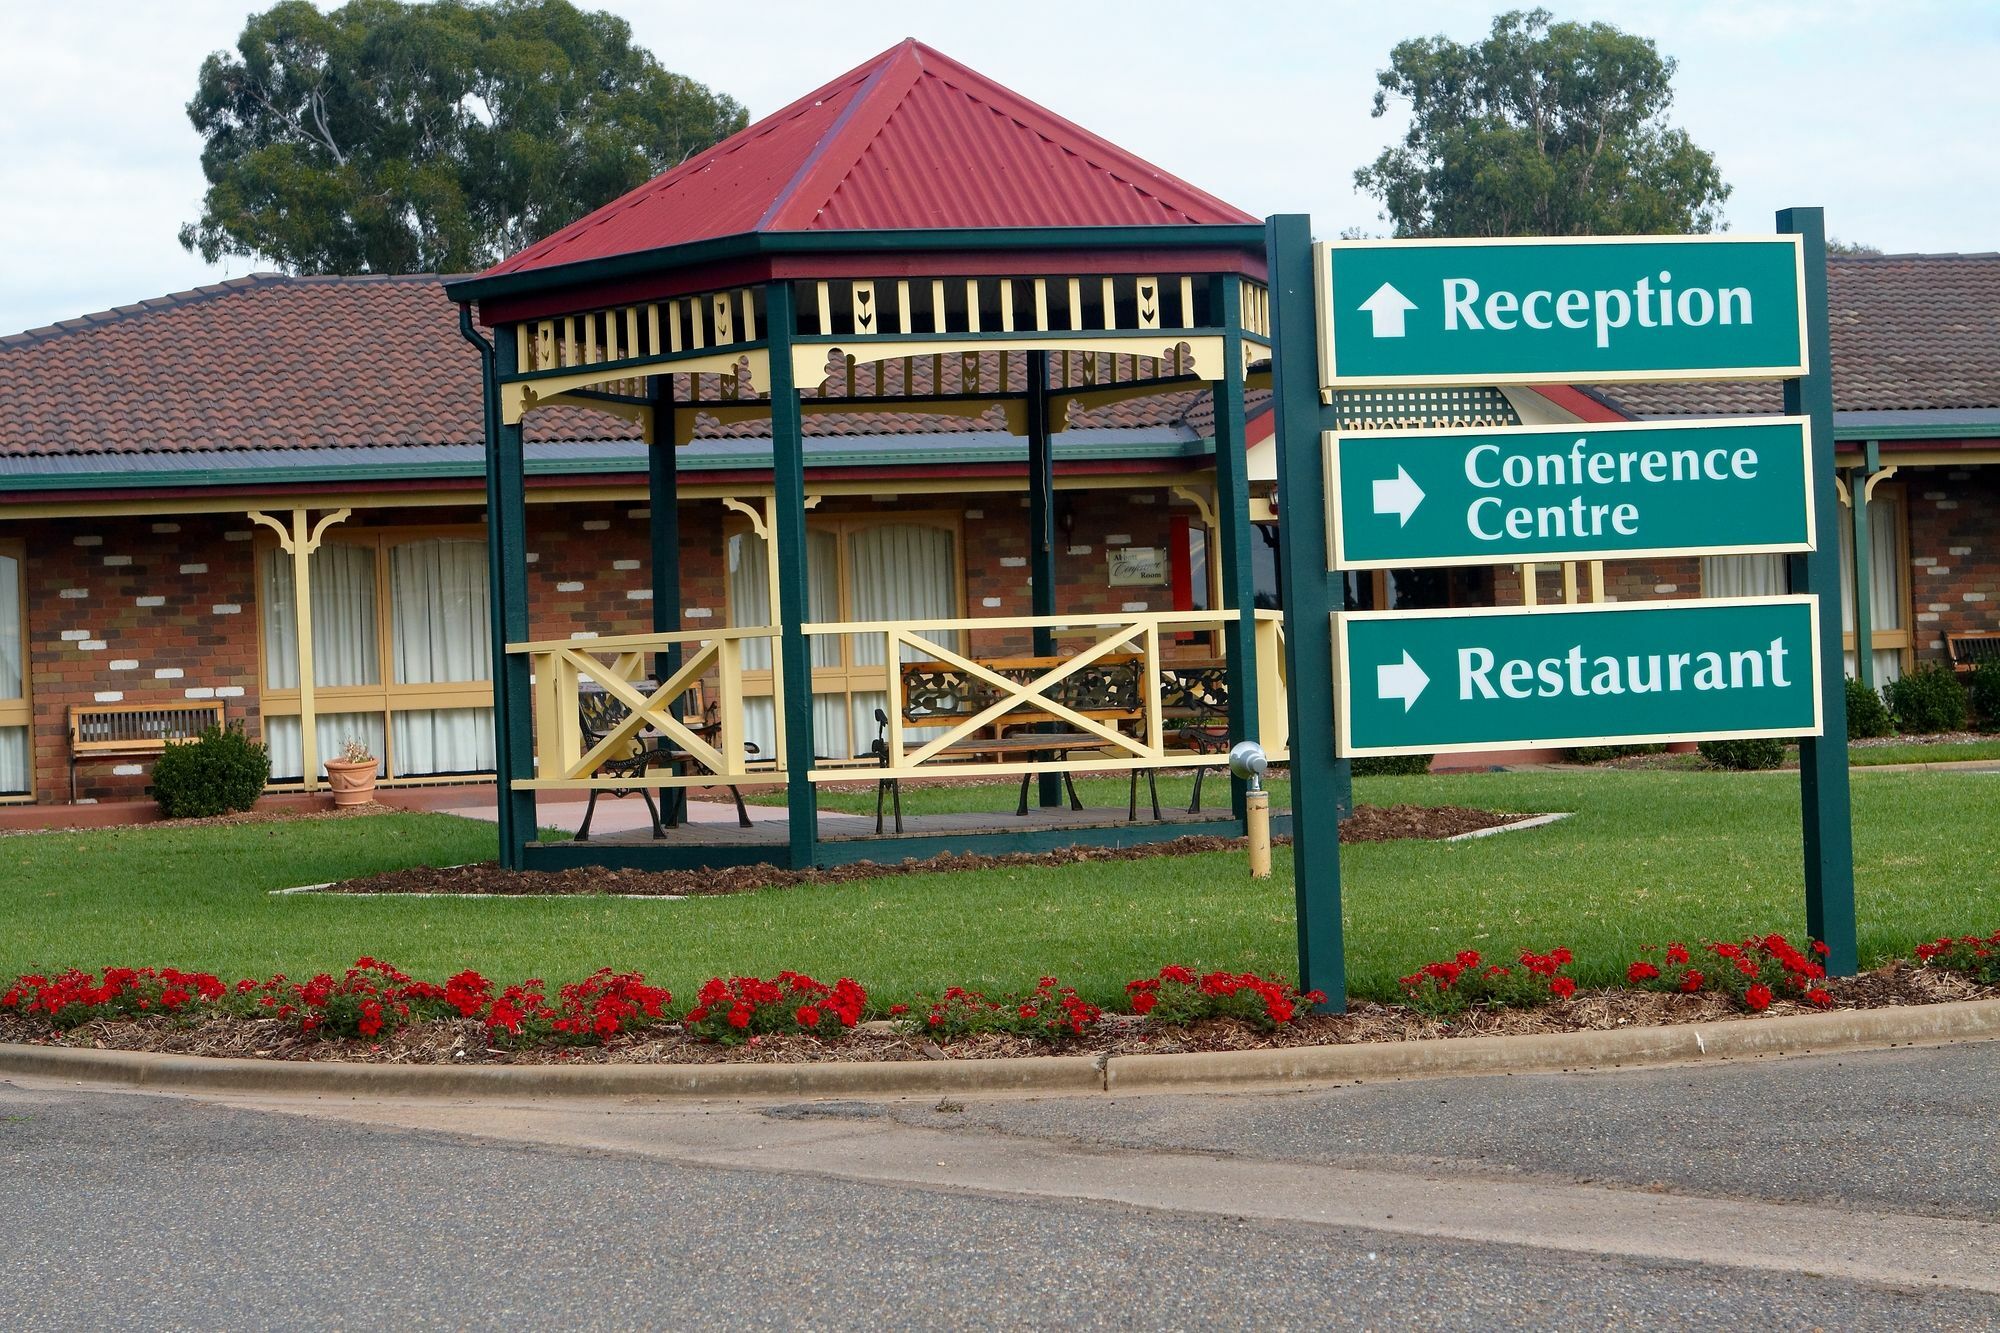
column 1386, row 306
column 1403, row 680
column 1399, row 495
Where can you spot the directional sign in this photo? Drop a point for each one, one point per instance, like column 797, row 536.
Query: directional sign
column 1501, row 678
column 1571, row 309
column 1397, row 499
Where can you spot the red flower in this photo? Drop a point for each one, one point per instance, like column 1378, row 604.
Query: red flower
column 1641, row 971
column 1691, row 982
column 1677, row 953
column 739, row 1016
column 808, row 1016
column 1563, row 987
column 1758, row 997
column 1819, row 947
column 1819, row 998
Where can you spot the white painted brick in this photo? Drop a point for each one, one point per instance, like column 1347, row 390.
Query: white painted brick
column 1927, row 615
column 641, row 512
column 697, row 613
column 1959, row 550
column 75, row 635
column 1940, row 570
column 117, row 561
column 639, row 595
column 74, row 594
column 166, row 527
column 1935, row 643
column 534, row 557
column 1975, row 597
column 624, row 564
column 1947, row 504
column 1934, row 495
column 1013, row 561
column 989, row 602
column 975, row 513
column 152, row 601
column 596, row 524
column 167, row 673
column 583, row 634
column 200, row 692
column 569, row 587
column 229, row 691
column 1079, row 550
column 88, row 541
column 109, row 696
column 1117, row 539
column 126, row 771
column 1924, row 560
column 1135, row 606
column 1958, row 475
column 124, row 664
column 1666, row 587
column 238, row 535
column 196, row 568
column 92, row 646
column 226, row 609
column 1940, row 606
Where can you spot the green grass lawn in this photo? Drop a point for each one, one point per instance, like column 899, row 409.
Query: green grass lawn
column 1869, row 756
column 1647, row 856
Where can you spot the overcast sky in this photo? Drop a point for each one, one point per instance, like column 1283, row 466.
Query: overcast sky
column 1883, row 113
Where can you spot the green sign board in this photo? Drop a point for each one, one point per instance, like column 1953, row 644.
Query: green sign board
column 1413, row 682
column 1571, row 309
column 1578, row 492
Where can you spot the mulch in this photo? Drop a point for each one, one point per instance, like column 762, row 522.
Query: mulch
column 464, row 1042
column 1367, row 824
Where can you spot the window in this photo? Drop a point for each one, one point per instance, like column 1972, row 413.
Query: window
column 866, row 567
column 402, row 651
column 1888, row 581
column 17, row 776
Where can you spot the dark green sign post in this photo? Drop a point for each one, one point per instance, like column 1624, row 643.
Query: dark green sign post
column 1574, row 310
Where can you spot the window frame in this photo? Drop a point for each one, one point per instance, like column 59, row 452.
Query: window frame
column 1904, row 640
column 386, row 698
column 20, row 712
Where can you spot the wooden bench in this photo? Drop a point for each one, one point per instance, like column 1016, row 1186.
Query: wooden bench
column 938, row 694
column 599, row 713
column 128, row 731
column 1969, row 650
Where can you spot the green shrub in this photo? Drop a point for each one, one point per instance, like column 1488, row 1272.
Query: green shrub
column 1392, row 765
column 1867, row 715
column 1928, row 700
column 1757, row 752
column 1983, row 686
column 1597, row 754
column 222, row 772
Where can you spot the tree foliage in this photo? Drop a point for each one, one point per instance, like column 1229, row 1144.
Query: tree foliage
column 393, row 137
column 1542, row 129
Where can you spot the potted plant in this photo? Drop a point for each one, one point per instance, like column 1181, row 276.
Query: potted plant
column 352, row 775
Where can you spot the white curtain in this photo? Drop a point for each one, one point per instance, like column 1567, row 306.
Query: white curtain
column 1743, row 576
column 13, row 657
column 900, row 571
column 750, row 603
column 343, row 618
column 333, row 730
column 441, row 634
column 1885, row 606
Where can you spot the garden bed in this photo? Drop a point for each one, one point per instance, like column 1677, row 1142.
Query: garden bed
column 1367, row 824
column 465, row 1041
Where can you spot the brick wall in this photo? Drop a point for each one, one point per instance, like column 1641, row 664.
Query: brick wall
column 134, row 611
column 1955, row 553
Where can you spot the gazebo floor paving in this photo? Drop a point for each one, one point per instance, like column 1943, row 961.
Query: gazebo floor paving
column 713, row 824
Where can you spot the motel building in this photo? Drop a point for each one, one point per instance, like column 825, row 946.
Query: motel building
column 909, row 410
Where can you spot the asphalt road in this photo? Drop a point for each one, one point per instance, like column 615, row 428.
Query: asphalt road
column 127, row 1210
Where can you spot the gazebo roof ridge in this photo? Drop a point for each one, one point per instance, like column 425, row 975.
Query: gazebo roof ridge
column 910, row 141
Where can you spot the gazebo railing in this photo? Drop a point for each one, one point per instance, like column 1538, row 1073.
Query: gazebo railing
column 1162, row 672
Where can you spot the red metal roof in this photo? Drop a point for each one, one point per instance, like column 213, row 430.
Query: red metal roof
column 911, row 139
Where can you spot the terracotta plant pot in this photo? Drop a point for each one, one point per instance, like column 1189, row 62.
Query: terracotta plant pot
column 352, row 784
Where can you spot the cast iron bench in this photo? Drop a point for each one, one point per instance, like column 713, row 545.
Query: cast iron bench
column 935, row 694
column 1972, row 648
column 127, row 731
column 598, row 715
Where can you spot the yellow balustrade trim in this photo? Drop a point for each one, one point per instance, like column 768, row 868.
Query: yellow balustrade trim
column 1018, row 693
column 1129, row 621
column 640, row 643
column 1172, row 759
column 651, row 780
column 646, row 710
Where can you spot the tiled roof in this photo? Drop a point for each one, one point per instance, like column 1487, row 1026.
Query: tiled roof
column 275, row 362
column 1909, row 333
column 911, row 139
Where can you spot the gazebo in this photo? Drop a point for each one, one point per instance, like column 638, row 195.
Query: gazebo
column 910, row 238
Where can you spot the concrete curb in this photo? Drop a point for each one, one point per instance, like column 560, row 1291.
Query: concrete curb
column 1793, row 1034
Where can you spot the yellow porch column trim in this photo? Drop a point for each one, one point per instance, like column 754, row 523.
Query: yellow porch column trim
column 299, row 541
